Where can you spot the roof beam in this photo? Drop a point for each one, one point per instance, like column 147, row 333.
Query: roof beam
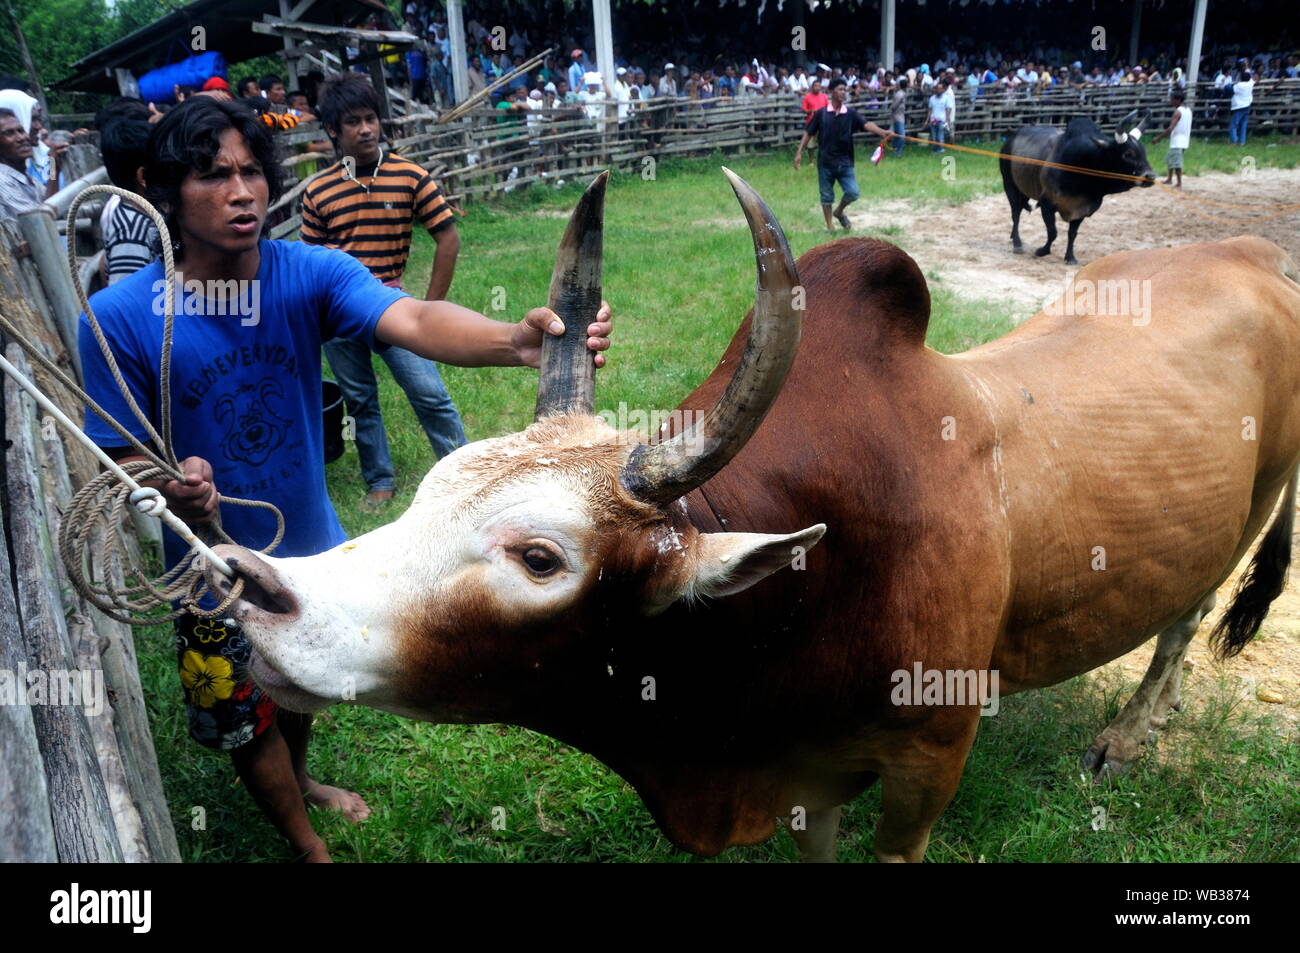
column 278, row 26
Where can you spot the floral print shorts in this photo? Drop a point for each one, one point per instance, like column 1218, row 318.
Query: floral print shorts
column 226, row 709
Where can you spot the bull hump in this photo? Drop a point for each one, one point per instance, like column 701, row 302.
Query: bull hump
column 860, row 285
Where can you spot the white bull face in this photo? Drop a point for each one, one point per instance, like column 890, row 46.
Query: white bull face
column 511, row 546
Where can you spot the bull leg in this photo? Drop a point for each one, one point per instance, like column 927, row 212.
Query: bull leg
column 1069, row 241
column 1049, row 220
column 1018, row 203
column 918, row 783
column 1170, row 698
column 1017, row 245
column 1115, row 749
column 816, row 842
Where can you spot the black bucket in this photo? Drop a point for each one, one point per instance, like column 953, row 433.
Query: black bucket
column 332, row 411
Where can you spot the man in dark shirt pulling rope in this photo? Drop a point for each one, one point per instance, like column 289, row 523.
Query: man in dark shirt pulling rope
column 833, row 127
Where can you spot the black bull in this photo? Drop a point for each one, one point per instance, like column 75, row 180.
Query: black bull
column 1075, row 195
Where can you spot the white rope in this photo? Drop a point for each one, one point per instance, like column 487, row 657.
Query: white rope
column 93, row 519
column 145, row 499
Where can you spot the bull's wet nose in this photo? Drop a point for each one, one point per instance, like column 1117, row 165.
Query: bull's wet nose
column 263, row 586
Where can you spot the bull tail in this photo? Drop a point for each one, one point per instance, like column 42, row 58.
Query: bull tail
column 1260, row 584
column 1014, row 195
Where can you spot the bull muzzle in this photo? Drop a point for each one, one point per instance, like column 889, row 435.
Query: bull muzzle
column 259, row 588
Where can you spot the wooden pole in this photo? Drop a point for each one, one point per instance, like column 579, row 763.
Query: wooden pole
column 1135, row 33
column 482, row 94
column 1194, row 49
column 887, row 34
column 456, row 42
column 291, row 62
column 604, row 44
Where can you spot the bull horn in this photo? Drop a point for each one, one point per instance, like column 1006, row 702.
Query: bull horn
column 1124, row 128
column 667, row 471
column 567, row 383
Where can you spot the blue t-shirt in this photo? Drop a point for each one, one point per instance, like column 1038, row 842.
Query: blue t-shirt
column 245, row 382
column 415, row 64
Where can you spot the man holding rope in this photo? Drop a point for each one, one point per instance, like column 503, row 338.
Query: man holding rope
column 833, row 126
column 246, row 405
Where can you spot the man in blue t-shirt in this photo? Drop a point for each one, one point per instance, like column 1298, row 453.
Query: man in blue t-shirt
column 246, row 404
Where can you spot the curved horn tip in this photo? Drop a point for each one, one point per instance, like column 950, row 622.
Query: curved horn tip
column 737, row 183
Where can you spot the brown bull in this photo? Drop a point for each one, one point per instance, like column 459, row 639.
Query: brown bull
column 1035, row 507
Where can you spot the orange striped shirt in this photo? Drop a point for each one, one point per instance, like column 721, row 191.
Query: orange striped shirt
column 374, row 226
column 277, row 122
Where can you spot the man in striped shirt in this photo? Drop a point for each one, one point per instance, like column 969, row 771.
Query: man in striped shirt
column 364, row 205
column 130, row 236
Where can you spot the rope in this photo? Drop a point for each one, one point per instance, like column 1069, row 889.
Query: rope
column 1099, row 173
column 93, row 521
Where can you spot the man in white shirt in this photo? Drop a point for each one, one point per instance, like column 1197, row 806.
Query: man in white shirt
column 942, row 107
column 1179, row 132
column 1027, row 74
column 623, row 93
column 19, row 192
column 668, row 82
column 1243, row 94
column 800, row 82
column 593, row 97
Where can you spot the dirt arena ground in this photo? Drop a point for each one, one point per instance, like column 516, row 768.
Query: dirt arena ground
column 969, row 249
column 969, row 244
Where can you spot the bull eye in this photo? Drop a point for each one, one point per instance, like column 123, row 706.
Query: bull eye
column 540, row 562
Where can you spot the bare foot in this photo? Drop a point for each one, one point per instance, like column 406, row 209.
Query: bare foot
column 349, row 803
column 376, row 500
column 316, row 854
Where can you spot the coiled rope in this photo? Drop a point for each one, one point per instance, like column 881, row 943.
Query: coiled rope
column 94, row 520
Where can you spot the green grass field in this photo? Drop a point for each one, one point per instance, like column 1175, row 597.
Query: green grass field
column 679, row 273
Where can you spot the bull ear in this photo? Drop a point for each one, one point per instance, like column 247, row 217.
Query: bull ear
column 728, row 563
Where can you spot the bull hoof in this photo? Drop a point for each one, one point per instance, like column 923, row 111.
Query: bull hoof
column 1109, row 757
column 1160, row 720
column 1018, row 249
column 1071, row 260
column 1044, row 251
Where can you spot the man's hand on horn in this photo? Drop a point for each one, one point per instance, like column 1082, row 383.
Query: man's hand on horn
column 537, row 323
